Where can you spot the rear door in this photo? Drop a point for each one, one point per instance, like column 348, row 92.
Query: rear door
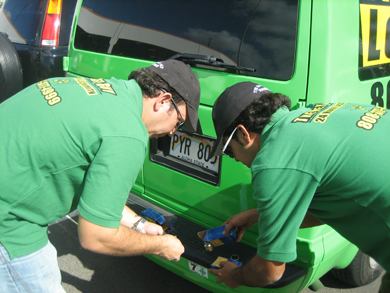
column 271, row 37
column 266, row 42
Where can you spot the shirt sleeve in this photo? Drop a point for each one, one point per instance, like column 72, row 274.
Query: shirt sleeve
column 283, row 197
column 109, row 179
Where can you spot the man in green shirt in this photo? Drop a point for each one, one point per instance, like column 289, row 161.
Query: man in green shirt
column 327, row 160
column 71, row 143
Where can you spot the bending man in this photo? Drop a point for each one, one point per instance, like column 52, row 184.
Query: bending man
column 71, row 143
column 325, row 160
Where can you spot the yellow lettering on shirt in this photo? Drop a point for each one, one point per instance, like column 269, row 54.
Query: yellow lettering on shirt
column 368, row 120
column 106, row 87
column 86, row 86
column 306, row 117
column 48, row 92
column 97, row 80
column 103, row 85
column 323, row 116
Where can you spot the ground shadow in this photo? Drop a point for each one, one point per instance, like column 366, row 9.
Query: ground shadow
column 90, row 272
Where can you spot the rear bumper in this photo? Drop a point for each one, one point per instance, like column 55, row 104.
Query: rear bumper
column 39, row 63
column 186, row 231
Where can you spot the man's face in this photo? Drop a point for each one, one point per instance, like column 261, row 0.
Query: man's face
column 167, row 120
column 244, row 147
column 238, row 152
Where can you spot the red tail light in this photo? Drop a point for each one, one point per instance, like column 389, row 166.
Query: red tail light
column 51, row 27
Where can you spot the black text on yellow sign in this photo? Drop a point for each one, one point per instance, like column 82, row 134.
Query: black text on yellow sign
column 375, row 28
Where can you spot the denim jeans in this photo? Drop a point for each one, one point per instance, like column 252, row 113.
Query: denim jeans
column 35, row 272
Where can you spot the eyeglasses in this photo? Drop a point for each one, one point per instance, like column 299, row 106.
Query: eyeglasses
column 178, row 124
column 226, row 150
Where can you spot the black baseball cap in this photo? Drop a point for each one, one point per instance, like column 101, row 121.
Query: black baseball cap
column 229, row 106
column 180, row 77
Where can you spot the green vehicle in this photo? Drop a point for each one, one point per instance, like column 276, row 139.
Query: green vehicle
column 312, row 51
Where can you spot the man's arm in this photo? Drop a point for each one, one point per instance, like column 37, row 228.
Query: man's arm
column 242, row 221
column 258, row 272
column 124, row 241
column 130, row 218
column 310, row 221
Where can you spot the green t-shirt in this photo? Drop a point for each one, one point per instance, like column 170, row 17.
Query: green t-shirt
column 330, row 159
column 67, row 143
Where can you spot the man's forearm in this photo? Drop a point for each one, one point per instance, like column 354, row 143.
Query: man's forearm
column 254, row 215
column 129, row 217
column 122, row 241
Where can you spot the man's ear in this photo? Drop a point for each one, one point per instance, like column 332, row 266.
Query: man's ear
column 247, row 138
column 243, row 135
column 162, row 100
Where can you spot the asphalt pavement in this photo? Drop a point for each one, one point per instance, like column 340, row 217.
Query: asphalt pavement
column 88, row 272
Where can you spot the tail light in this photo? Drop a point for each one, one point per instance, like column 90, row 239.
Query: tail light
column 51, row 27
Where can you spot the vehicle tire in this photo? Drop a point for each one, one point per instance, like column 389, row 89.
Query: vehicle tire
column 361, row 271
column 11, row 76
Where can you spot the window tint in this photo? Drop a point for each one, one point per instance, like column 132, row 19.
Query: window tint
column 253, row 33
column 25, row 16
column 67, row 13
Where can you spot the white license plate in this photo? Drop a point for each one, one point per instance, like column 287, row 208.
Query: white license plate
column 194, row 150
column 198, row 269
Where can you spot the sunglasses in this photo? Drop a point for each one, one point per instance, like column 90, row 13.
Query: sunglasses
column 226, row 150
column 182, row 122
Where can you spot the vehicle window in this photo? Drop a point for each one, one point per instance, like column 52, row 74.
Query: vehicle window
column 25, row 16
column 251, row 33
column 67, row 13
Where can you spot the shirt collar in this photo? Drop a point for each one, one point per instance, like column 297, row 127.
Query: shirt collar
column 275, row 118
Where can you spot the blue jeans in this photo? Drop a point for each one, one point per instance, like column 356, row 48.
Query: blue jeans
column 35, row 272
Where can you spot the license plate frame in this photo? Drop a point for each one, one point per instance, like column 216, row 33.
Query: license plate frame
column 159, row 154
column 194, row 150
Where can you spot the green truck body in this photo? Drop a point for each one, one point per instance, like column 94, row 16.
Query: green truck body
column 337, row 52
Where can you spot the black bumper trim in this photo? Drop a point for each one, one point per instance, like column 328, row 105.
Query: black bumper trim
column 186, row 231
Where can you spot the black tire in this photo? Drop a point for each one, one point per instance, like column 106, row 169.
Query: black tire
column 11, row 76
column 361, row 271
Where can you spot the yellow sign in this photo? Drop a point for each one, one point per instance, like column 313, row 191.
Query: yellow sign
column 375, row 27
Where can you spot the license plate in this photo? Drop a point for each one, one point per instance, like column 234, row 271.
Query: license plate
column 198, row 269
column 194, row 150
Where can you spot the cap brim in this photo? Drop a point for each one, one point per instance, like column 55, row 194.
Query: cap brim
column 217, row 147
column 192, row 123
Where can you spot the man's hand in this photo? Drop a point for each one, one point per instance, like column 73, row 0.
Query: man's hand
column 129, row 218
column 152, row 229
column 125, row 241
column 258, row 272
column 242, row 221
column 225, row 274
column 172, row 248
